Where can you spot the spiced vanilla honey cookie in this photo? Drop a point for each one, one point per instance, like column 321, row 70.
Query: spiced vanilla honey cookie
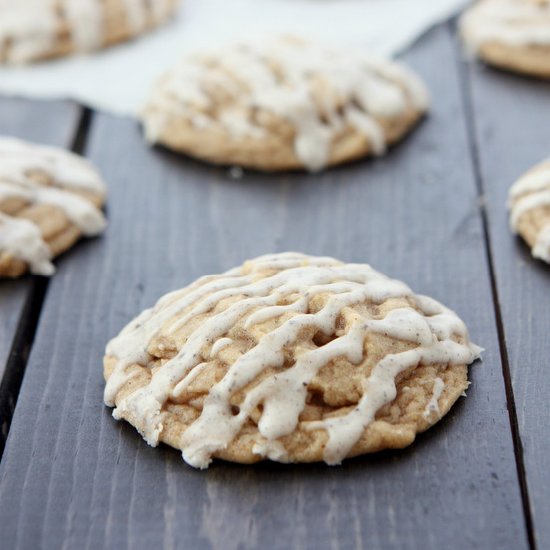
column 510, row 34
column 282, row 104
column 32, row 30
column 49, row 198
column 529, row 204
column 290, row 358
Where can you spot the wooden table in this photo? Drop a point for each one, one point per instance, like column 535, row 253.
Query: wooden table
column 432, row 213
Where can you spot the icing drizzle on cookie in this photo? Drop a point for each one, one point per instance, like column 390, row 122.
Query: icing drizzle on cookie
column 433, row 404
column 514, row 22
column 282, row 287
column 530, row 193
column 320, row 92
column 32, row 27
column 21, row 239
column 36, row 175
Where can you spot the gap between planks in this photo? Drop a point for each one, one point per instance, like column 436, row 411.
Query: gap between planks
column 469, row 111
column 23, row 339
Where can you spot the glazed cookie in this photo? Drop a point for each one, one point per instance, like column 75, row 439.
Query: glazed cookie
column 510, row 34
column 290, row 358
column 283, row 104
column 529, row 204
column 49, row 198
column 31, row 30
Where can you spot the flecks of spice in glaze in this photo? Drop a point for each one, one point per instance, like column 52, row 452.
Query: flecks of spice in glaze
column 529, row 193
column 435, row 329
column 319, row 91
column 45, row 175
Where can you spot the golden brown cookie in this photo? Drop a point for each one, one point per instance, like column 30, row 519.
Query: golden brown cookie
column 283, row 104
column 49, row 198
column 529, row 204
column 510, row 34
column 290, row 358
column 32, row 30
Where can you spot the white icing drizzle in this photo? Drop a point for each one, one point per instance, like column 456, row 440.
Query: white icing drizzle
column 282, row 76
column 67, row 169
column 29, row 25
column 433, row 404
column 81, row 212
column 219, row 345
column 66, row 174
column 531, row 192
column 32, row 26
column 260, row 288
column 514, row 22
column 85, row 19
column 19, row 238
column 272, row 449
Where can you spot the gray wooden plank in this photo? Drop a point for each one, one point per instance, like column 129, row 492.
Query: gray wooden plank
column 512, row 117
column 82, row 480
column 44, row 122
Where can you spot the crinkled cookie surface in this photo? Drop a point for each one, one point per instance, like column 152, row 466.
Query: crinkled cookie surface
column 291, row 358
column 283, row 103
column 49, row 198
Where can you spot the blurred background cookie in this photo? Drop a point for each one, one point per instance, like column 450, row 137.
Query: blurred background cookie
column 510, row 34
column 291, row 358
column 529, row 204
column 282, row 103
column 32, row 30
column 49, row 198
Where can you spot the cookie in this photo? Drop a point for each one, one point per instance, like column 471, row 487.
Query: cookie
column 283, row 104
column 290, row 358
column 510, row 34
column 32, row 30
column 529, row 204
column 49, row 198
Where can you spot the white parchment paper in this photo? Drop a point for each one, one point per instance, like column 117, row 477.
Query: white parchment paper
column 118, row 79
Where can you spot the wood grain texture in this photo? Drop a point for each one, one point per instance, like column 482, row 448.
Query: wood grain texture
column 82, row 480
column 512, row 127
column 44, row 122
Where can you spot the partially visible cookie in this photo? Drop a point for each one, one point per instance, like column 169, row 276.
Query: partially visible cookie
column 291, row 358
column 49, row 198
column 529, row 204
column 32, row 30
column 510, row 34
column 282, row 103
